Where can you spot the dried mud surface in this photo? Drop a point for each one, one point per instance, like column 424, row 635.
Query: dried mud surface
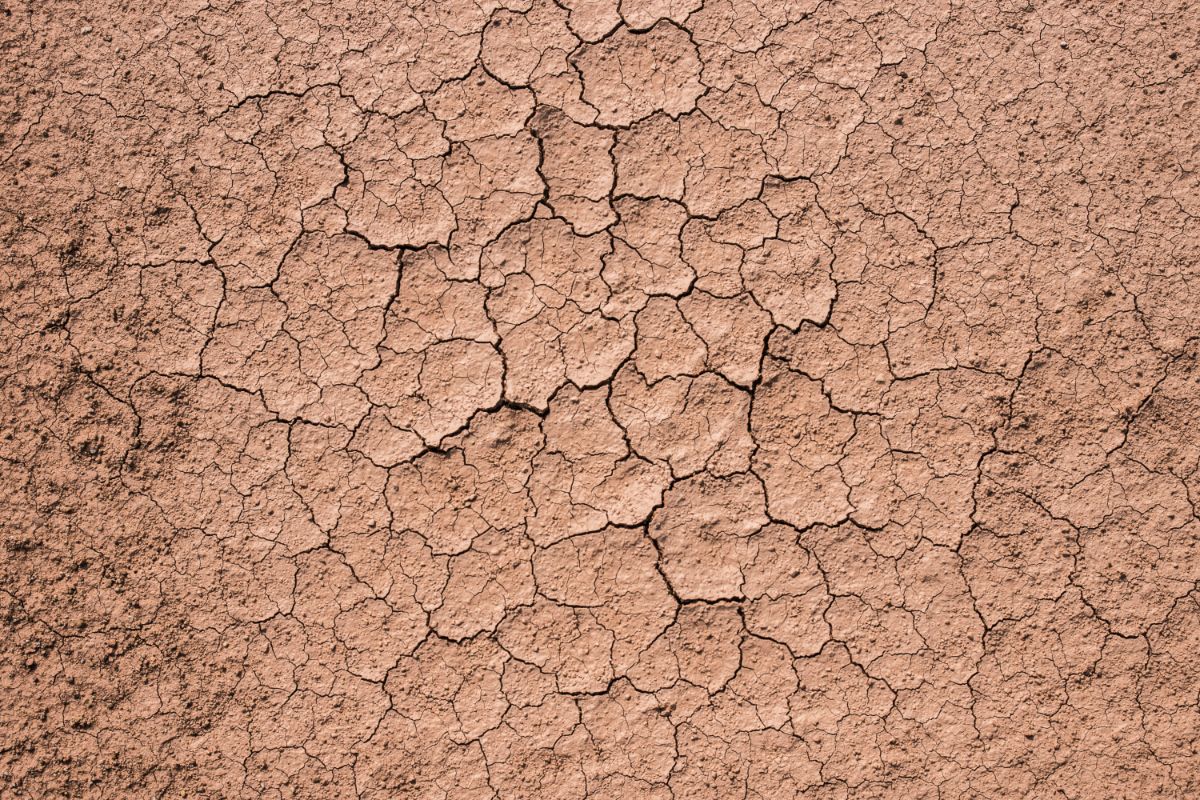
column 694, row 399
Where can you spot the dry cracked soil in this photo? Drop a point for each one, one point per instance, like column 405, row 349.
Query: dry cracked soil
column 563, row 399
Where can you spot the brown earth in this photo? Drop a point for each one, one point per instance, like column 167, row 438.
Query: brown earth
column 694, row 399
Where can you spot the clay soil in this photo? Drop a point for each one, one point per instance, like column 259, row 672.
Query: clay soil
column 562, row 399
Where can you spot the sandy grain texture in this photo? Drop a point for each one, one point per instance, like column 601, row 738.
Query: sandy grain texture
column 608, row 399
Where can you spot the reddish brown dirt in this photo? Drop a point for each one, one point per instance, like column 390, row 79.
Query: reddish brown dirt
column 693, row 399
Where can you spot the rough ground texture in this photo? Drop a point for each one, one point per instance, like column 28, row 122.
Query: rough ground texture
column 695, row 399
